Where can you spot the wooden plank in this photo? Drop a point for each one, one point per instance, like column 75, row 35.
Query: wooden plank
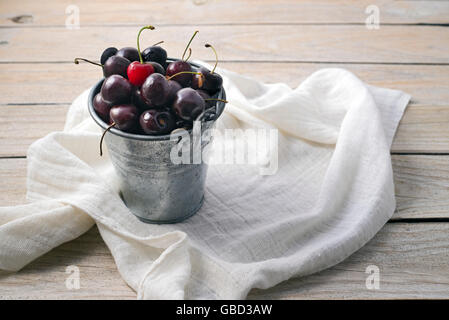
column 196, row 12
column 35, row 83
column 422, row 185
column 307, row 43
column 21, row 126
column 412, row 259
column 423, row 129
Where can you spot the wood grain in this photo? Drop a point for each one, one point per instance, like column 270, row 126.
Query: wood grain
column 141, row 12
column 22, row 125
column 412, row 260
column 422, row 185
column 307, row 43
column 35, row 83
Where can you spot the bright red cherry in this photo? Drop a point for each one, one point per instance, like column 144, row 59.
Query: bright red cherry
column 138, row 71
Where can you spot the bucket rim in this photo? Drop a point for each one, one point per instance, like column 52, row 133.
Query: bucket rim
column 96, row 89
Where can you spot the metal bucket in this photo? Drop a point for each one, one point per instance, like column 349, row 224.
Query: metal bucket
column 154, row 188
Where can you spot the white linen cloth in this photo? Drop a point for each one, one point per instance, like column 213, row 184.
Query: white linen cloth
column 331, row 194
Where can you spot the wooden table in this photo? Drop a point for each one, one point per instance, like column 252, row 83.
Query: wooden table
column 272, row 41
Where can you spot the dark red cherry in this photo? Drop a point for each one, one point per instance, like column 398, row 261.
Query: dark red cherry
column 188, row 104
column 132, row 54
column 157, row 122
column 138, row 72
column 116, row 89
column 210, row 81
column 157, row 68
column 124, row 116
column 155, row 89
column 205, row 96
column 101, row 107
column 139, row 101
column 116, row 65
column 155, row 54
column 107, row 53
column 180, row 66
column 173, row 88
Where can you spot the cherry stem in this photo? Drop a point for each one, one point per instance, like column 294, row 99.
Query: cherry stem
column 182, row 72
column 102, row 137
column 225, row 101
column 216, row 55
column 77, row 61
column 157, row 43
column 190, row 53
column 138, row 42
column 188, row 44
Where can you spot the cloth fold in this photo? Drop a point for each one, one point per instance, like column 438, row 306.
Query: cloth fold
column 332, row 192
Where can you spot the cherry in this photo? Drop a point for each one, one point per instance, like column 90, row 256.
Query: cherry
column 155, row 89
column 124, row 116
column 173, row 88
column 113, row 65
column 139, row 101
column 102, row 107
column 188, row 104
column 116, row 89
column 207, row 98
column 116, row 65
column 155, row 53
column 181, row 66
column 108, row 52
column 157, row 122
column 139, row 71
column 132, row 54
column 210, row 80
column 157, row 67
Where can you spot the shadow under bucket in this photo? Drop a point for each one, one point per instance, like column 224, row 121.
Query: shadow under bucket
column 154, row 188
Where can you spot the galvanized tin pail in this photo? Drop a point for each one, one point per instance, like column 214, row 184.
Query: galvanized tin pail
column 154, row 188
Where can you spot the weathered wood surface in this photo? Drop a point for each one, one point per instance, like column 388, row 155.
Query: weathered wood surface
column 307, row 43
column 33, row 13
column 412, row 259
column 272, row 41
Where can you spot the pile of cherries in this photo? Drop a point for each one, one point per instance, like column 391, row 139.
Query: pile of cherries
column 143, row 93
